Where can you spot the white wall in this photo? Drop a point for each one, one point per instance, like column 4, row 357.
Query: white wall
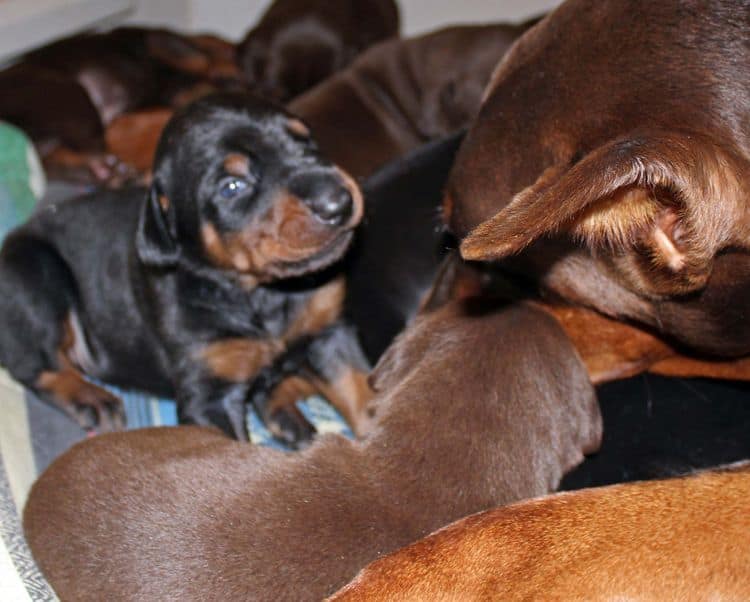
column 231, row 18
column 423, row 15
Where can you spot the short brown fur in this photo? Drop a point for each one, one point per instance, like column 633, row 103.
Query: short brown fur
column 193, row 515
column 682, row 539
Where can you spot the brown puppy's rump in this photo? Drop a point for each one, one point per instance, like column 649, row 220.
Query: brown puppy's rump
column 683, row 539
column 184, row 513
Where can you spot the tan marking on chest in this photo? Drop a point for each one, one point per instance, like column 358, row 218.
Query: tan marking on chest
column 238, row 359
column 322, row 309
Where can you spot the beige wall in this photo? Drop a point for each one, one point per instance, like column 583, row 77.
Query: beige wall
column 232, row 17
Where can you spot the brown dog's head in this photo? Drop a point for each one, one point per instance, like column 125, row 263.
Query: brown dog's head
column 299, row 43
column 617, row 127
column 240, row 185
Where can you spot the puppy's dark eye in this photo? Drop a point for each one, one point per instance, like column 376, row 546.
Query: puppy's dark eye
column 232, row 187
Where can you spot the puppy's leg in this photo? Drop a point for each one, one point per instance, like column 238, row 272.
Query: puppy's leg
column 213, row 381
column 280, row 414
column 207, row 401
column 41, row 341
column 98, row 168
column 332, row 364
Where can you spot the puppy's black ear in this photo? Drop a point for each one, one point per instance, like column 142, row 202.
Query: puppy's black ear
column 156, row 237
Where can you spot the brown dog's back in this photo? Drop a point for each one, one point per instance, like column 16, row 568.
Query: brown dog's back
column 682, row 539
column 403, row 93
column 476, row 409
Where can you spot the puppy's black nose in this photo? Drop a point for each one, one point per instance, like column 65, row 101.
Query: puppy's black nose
column 333, row 207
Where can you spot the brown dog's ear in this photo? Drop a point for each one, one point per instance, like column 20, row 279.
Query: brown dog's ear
column 156, row 235
column 676, row 195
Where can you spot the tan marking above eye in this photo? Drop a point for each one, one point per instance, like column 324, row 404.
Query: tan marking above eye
column 297, row 128
column 237, row 164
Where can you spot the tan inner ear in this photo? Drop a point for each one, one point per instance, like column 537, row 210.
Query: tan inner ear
column 614, row 221
column 630, row 216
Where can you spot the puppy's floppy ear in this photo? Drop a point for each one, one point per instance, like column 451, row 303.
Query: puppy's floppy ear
column 156, row 235
column 679, row 192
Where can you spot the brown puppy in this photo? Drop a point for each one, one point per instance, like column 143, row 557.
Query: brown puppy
column 403, row 93
column 94, row 78
column 187, row 514
column 610, row 349
column 627, row 147
column 298, row 43
column 397, row 96
column 682, row 539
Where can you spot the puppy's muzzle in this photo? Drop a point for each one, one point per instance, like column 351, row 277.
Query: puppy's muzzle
column 332, row 196
column 334, row 207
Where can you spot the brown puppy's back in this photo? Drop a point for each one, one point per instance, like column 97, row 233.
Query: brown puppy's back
column 403, row 93
column 477, row 409
column 682, row 539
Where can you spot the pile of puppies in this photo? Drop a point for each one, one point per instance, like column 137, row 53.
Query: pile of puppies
column 600, row 222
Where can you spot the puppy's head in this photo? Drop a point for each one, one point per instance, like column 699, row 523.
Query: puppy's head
column 282, row 65
column 240, row 185
column 623, row 144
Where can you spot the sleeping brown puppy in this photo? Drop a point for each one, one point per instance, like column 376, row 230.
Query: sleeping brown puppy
column 402, row 93
column 298, row 43
column 397, row 96
column 681, row 539
column 94, row 78
column 620, row 163
column 187, row 514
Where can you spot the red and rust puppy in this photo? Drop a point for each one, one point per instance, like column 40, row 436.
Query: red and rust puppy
column 396, row 97
column 298, row 43
column 94, row 78
column 187, row 289
column 403, row 93
column 620, row 160
column 682, row 539
column 191, row 515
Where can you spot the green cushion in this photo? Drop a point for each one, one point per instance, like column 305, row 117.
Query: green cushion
column 22, row 180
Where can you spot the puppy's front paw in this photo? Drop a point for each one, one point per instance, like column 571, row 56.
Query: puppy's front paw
column 290, row 427
column 97, row 410
column 227, row 414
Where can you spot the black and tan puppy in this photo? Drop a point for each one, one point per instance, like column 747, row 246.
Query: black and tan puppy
column 186, row 289
column 389, row 271
column 191, row 515
column 298, row 43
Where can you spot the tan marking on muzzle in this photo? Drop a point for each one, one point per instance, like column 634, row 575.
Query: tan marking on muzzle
column 358, row 200
column 297, row 128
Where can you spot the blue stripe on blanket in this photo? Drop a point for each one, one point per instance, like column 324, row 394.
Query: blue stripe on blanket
column 143, row 411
